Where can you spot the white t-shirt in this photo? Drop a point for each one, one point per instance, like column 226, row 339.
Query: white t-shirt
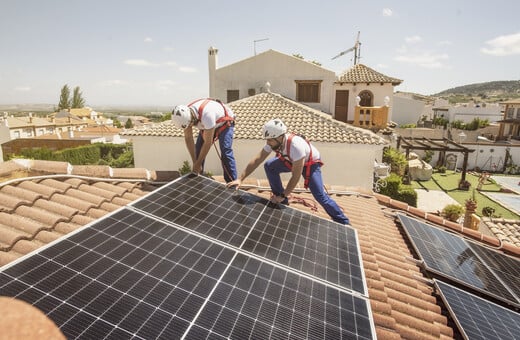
column 299, row 149
column 211, row 112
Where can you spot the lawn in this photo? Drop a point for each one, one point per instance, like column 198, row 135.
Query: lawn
column 449, row 181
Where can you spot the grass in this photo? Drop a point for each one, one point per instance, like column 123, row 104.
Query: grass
column 449, row 181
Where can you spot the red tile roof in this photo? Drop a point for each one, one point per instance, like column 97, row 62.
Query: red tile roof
column 39, row 210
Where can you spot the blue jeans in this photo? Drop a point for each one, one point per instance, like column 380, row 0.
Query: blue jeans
column 274, row 166
column 225, row 141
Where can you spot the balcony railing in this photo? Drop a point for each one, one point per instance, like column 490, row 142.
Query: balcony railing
column 371, row 117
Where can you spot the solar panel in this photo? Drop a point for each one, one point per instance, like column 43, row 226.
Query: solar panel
column 133, row 274
column 315, row 246
column 451, row 256
column 477, row 318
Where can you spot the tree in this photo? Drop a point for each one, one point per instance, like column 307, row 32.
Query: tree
column 65, row 102
column 77, row 99
column 129, row 124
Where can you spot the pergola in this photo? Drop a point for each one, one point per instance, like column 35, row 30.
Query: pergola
column 442, row 145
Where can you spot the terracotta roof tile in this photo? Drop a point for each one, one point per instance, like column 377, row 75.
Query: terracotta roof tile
column 360, row 73
column 254, row 111
column 506, row 230
column 403, row 302
column 44, row 190
column 91, row 171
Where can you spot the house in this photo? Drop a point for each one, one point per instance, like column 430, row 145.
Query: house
column 350, row 150
column 303, row 82
column 62, row 199
column 510, row 124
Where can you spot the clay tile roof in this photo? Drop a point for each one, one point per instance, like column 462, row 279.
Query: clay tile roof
column 363, row 74
column 505, row 230
column 253, row 112
column 403, row 302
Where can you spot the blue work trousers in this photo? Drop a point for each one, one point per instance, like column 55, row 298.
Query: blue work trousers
column 225, row 141
column 273, row 168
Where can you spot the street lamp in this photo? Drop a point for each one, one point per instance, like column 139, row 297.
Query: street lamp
column 462, row 137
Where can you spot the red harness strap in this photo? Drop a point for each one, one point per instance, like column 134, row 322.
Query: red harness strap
column 227, row 119
column 288, row 163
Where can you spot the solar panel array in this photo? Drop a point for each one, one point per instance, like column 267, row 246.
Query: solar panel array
column 195, row 260
column 481, row 269
column 477, row 318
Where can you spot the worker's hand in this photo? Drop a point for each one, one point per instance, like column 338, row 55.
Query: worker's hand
column 234, row 184
column 277, row 199
column 197, row 168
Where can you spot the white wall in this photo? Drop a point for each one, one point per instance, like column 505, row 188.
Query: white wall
column 279, row 69
column 406, row 110
column 467, row 114
column 345, row 164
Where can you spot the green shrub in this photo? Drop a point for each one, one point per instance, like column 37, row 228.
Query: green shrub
column 488, row 211
column 396, row 160
column 185, row 169
column 396, row 190
column 452, row 212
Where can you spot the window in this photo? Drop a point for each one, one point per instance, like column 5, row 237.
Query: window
column 510, row 112
column 367, row 99
column 251, row 92
column 232, row 95
column 518, row 113
column 308, row 91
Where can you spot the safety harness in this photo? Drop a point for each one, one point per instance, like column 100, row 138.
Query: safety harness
column 286, row 159
column 227, row 119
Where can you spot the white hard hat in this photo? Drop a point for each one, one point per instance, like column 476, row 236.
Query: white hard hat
column 181, row 116
column 273, row 129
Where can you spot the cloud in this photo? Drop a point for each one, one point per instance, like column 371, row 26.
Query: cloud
column 139, row 62
column 170, row 63
column 387, row 12
column 165, row 85
column 380, row 66
column 22, row 88
column 424, row 59
column 168, row 48
column 148, row 40
column 187, row 69
column 445, row 43
column 503, row 45
column 413, row 39
column 113, row 82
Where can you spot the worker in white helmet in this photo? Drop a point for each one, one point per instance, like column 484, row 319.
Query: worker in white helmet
column 215, row 120
column 297, row 155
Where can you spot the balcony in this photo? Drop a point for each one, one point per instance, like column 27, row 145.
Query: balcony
column 374, row 117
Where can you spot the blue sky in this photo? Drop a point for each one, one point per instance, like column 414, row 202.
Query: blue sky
column 154, row 52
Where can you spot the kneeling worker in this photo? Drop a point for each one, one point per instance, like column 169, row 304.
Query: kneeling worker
column 296, row 155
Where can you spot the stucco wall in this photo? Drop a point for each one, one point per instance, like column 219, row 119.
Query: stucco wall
column 346, row 164
column 279, row 70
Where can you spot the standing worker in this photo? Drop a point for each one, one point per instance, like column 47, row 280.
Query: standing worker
column 215, row 120
column 296, row 155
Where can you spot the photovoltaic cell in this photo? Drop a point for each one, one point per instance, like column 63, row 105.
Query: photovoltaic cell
column 196, row 260
column 317, row 247
column 100, row 283
column 451, row 256
column 478, row 318
column 202, row 205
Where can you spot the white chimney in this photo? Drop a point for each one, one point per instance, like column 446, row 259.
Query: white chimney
column 212, row 67
column 71, row 134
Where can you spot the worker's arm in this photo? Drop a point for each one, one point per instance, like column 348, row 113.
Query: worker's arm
column 207, row 137
column 250, row 167
column 296, row 173
column 190, row 144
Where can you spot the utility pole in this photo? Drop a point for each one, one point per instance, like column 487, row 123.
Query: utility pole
column 255, row 41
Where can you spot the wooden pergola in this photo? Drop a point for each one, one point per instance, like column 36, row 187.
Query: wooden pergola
column 442, row 145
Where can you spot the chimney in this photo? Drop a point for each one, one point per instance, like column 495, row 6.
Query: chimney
column 212, row 66
column 71, row 133
column 30, row 118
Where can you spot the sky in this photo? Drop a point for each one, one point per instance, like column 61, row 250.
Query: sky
column 154, row 52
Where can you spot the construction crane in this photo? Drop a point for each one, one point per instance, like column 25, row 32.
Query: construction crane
column 356, row 48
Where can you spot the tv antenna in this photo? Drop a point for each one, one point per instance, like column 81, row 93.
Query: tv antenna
column 356, row 48
column 255, row 41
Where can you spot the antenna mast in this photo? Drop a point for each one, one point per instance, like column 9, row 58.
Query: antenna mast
column 255, row 41
column 356, row 48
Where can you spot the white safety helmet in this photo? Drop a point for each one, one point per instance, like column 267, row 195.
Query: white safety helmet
column 181, row 116
column 274, row 129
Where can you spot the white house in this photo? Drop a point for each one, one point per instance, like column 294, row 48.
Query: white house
column 347, row 151
column 301, row 81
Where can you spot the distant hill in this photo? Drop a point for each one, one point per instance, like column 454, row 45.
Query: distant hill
column 502, row 90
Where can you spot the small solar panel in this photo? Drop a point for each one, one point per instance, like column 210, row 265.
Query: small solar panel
column 203, row 205
column 478, row 318
column 126, row 276
column 256, row 300
column 154, row 270
column 451, row 256
column 321, row 248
